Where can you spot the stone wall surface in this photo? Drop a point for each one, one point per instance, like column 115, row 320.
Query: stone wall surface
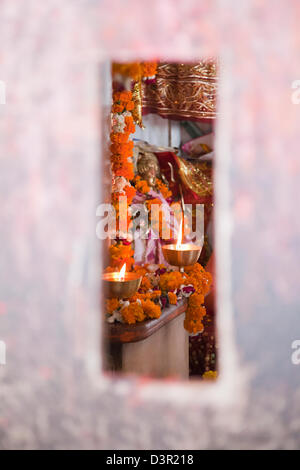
column 52, row 394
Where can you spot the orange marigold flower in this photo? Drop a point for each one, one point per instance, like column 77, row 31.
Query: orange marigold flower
column 149, row 69
column 122, row 148
column 111, row 305
column 199, row 278
column 155, row 294
column 195, row 313
column 170, row 281
column 140, row 270
column 120, row 254
column 172, row 298
column 130, row 192
column 133, row 313
column 128, row 315
column 151, row 309
column 145, row 296
column 121, row 250
column 196, row 300
column 118, row 159
column 129, row 127
column 119, row 138
column 129, row 106
column 141, row 185
column 133, row 70
column 193, row 326
column 117, row 108
column 145, row 284
column 126, row 171
column 125, row 96
column 163, row 188
column 122, row 96
column 116, row 96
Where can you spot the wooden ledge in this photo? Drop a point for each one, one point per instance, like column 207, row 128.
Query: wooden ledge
column 123, row 333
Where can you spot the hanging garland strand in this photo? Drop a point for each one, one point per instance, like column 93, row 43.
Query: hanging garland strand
column 122, row 172
column 136, row 71
column 159, row 287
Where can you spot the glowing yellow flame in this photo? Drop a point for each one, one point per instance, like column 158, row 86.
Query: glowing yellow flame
column 122, row 273
column 179, row 239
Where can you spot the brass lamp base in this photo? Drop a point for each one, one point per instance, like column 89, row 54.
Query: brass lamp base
column 121, row 289
column 187, row 255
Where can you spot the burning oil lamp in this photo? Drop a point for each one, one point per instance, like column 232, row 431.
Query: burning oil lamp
column 181, row 254
column 121, row 284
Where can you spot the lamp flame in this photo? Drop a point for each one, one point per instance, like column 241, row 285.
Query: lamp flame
column 122, row 273
column 179, row 239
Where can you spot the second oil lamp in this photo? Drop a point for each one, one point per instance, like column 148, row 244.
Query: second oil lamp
column 181, row 254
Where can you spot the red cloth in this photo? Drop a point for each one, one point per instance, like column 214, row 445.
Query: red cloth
column 189, row 196
column 183, row 91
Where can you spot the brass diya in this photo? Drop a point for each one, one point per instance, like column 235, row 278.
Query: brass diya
column 181, row 254
column 185, row 254
column 121, row 287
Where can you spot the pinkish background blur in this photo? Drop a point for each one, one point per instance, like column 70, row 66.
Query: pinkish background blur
column 52, row 394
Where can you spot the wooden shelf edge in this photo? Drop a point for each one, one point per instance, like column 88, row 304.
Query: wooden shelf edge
column 124, row 333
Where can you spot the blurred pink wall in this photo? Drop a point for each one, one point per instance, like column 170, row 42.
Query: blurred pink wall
column 52, row 394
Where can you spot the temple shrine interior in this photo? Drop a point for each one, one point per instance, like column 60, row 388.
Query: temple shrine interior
column 159, row 281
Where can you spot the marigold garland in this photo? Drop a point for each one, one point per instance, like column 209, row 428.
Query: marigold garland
column 141, row 185
column 148, row 302
column 135, row 70
column 201, row 281
column 122, row 169
column 170, row 281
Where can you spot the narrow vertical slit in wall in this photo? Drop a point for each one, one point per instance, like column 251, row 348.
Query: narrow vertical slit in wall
column 159, row 283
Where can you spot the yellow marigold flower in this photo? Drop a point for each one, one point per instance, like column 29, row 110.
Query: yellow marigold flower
column 210, row 375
